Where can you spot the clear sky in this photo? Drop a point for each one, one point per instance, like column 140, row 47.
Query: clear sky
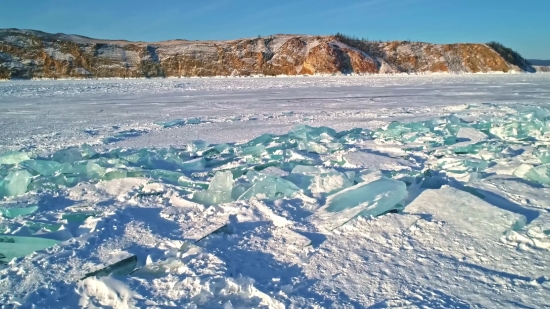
column 521, row 25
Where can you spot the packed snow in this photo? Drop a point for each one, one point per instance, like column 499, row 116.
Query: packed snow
column 298, row 192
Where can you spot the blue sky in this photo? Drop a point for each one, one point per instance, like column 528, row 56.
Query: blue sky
column 522, row 25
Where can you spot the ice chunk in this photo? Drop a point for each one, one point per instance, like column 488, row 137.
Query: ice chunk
column 68, row 155
column 43, row 167
column 312, row 147
column 187, row 182
column 522, row 170
column 319, row 181
column 470, row 134
column 52, row 182
column 219, row 190
column 48, row 227
column 368, row 199
column 211, row 197
column 88, row 152
column 193, row 121
column 464, row 212
column 17, row 212
column 269, row 188
column 539, row 174
column 169, row 124
column 222, row 181
column 543, row 155
column 263, row 139
column 197, row 145
column 222, row 148
column 375, row 161
column 16, row 183
column 110, row 175
column 167, row 176
column 77, row 216
column 121, row 268
column 94, row 171
column 194, row 165
column 316, row 134
column 433, row 182
column 20, row 246
column 13, row 157
column 461, row 165
column 253, row 150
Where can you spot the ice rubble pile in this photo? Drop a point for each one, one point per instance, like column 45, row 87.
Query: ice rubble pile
column 308, row 161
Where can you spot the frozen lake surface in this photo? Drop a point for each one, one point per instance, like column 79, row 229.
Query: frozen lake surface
column 98, row 172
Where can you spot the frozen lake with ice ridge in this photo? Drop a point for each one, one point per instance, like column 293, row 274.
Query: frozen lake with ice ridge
column 301, row 192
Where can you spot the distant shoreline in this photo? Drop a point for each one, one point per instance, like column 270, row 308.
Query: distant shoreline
column 276, row 76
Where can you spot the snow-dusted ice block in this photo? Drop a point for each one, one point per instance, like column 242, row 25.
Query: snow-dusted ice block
column 319, row 181
column 269, row 188
column 471, row 135
column 368, row 199
column 375, row 161
column 465, row 212
column 13, row 157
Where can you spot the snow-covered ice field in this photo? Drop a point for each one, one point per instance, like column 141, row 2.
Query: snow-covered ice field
column 298, row 192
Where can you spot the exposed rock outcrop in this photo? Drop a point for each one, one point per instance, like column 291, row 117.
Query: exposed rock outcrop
column 542, row 69
column 26, row 54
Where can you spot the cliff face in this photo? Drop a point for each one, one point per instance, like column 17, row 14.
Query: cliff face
column 28, row 54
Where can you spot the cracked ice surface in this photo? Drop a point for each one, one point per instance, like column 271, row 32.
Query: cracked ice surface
column 410, row 203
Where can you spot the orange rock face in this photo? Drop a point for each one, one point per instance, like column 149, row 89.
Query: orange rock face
column 34, row 54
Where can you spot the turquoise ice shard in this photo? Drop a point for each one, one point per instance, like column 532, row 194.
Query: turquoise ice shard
column 42, row 167
column 13, row 157
column 17, row 212
column 16, row 183
column 20, row 246
column 367, row 199
column 219, row 190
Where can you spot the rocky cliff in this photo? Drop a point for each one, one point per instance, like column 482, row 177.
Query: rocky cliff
column 26, row 54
